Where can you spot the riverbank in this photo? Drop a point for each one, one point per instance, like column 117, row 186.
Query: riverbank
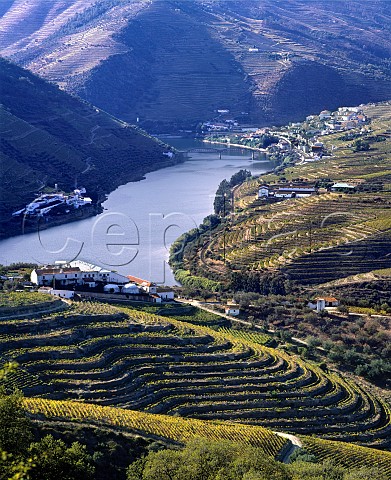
column 150, row 215
column 10, row 227
column 22, row 227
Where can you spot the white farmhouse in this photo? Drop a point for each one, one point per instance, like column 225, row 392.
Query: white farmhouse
column 232, row 309
column 98, row 273
column 295, row 192
column 263, row 191
column 321, row 303
column 75, row 273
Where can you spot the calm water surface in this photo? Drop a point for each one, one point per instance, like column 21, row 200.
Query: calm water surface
column 141, row 219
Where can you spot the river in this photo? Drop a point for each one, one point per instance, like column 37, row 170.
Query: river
column 141, row 219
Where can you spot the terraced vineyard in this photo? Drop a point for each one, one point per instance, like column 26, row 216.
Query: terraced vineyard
column 313, row 240
column 164, row 427
column 174, row 63
column 138, row 361
column 316, row 239
column 181, row 430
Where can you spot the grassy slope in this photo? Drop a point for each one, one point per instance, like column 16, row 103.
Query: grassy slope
column 48, row 136
column 156, row 60
column 317, row 239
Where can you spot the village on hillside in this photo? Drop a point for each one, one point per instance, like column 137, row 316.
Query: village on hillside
column 299, row 140
column 294, row 144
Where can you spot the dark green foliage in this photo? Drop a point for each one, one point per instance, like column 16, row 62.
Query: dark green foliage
column 223, row 199
column 54, row 460
column 208, row 460
column 222, row 203
column 361, row 145
column 200, row 283
column 239, row 177
column 259, row 282
column 15, row 428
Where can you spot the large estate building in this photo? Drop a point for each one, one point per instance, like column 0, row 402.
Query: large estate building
column 75, row 273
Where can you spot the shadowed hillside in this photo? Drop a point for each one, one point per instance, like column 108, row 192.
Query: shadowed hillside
column 48, row 137
column 173, row 63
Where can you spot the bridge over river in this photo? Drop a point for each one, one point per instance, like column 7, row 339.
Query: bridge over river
column 213, row 151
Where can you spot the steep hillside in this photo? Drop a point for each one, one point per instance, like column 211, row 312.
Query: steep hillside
column 173, row 63
column 48, row 137
column 315, row 239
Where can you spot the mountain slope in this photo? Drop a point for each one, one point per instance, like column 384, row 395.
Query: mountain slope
column 48, row 136
column 173, row 63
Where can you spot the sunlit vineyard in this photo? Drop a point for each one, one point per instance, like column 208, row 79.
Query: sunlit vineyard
column 348, row 455
column 314, row 239
column 22, row 299
column 254, row 337
column 162, row 426
column 115, row 356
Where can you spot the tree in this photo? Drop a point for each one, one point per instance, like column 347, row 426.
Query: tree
column 316, row 471
column 366, row 474
column 15, row 432
column 209, row 460
column 54, row 460
column 361, row 146
column 163, row 465
column 15, row 427
column 222, row 203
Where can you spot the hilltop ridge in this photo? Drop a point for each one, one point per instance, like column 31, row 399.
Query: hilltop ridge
column 173, row 63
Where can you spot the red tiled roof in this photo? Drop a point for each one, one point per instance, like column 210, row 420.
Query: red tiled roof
column 327, row 299
column 139, row 281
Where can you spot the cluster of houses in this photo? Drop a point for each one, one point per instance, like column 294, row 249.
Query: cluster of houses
column 345, row 118
column 65, row 280
column 55, row 204
column 299, row 140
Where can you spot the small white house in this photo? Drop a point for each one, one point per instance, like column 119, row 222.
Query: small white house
column 341, row 186
column 165, row 293
column 232, row 309
column 324, row 114
column 321, row 303
column 57, row 293
column 62, row 293
column 263, row 191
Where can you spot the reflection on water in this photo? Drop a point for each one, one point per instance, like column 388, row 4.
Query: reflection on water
column 141, row 219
